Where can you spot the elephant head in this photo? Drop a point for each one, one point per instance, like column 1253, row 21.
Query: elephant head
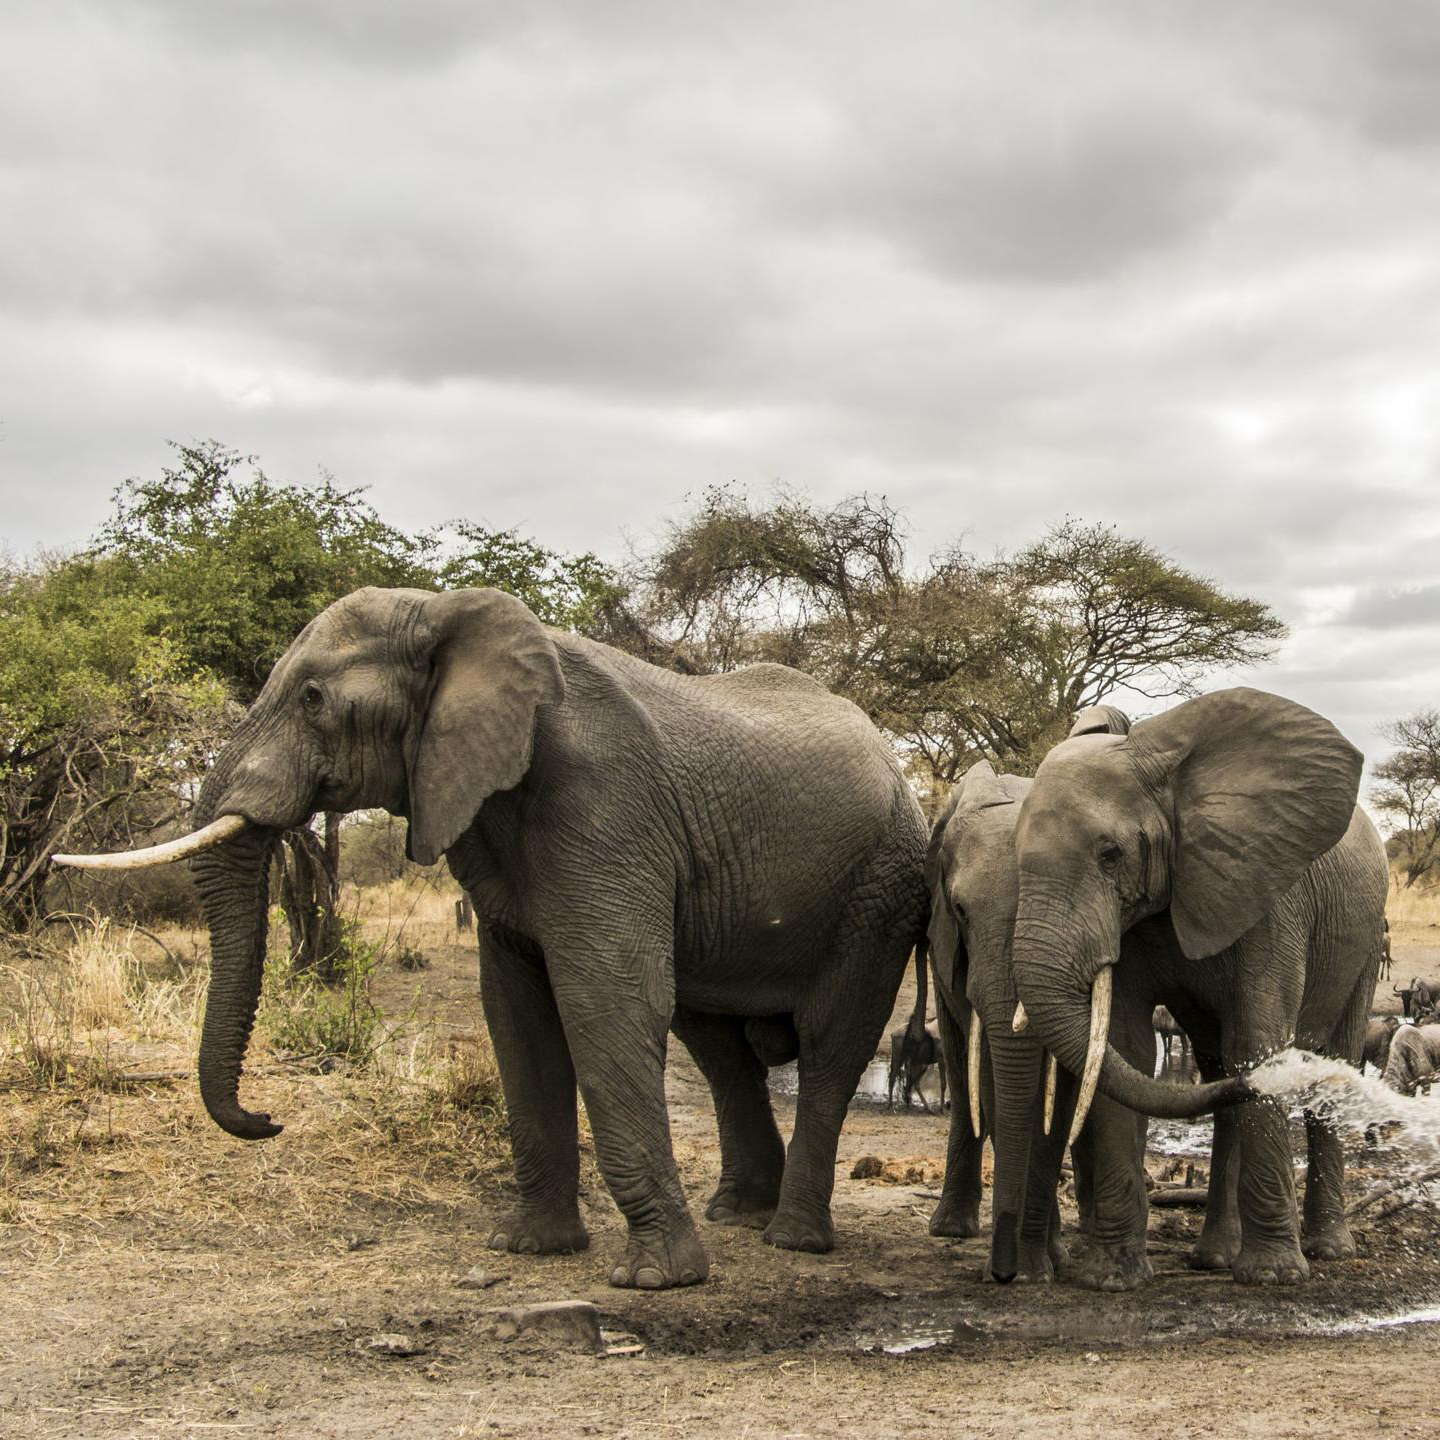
column 418, row 703
column 1211, row 811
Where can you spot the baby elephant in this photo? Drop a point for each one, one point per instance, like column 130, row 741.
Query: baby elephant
column 1414, row 1058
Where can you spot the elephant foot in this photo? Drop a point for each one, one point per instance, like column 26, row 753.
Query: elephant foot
column 958, row 1219
column 743, row 1202
column 527, row 1233
column 1270, row 1265
column 1210, row 1257
column 790, row 1230
column 661, row 1262
column 1334, row 1242
column 1214, row 1251
column 1111, row 1268
column 1034, row 1265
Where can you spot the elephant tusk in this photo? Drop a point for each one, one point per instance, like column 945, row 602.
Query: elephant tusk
column 1021, row 1022
column 1095, row 1054
column 973, row 1067
column 172, row 850
column 1051, row 1078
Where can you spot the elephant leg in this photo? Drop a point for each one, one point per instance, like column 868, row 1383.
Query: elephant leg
column 752, row 1154
column 1219, row 1239
column 958, row 1213
column 840, row 1022
column 539, row 1083
column 1269, row 1244
column 617, row 1031
column 1326, row 1235
column 1114, row 1258
column 1042, row 1255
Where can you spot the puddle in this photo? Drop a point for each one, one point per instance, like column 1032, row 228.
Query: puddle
column 873, row 1086
column 1428, row 1315
column 1084, row 1326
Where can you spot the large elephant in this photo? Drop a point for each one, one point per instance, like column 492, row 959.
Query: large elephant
column 1414, row 1058
column 971, row 871
column 735, row 855
column 1223, row 836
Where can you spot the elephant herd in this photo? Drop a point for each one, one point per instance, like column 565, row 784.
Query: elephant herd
column 737, row 859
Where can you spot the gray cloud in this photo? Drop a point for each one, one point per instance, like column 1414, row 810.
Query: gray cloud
column 560, row 265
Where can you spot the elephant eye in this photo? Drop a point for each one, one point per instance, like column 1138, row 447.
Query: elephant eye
column 312, row 697
column 1110, row 855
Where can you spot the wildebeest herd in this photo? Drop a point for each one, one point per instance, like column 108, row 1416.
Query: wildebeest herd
column 737, row 859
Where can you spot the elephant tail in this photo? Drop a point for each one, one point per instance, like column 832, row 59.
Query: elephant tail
column 915, row 1026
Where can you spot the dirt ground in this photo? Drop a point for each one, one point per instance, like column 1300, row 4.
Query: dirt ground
column 159, row 1278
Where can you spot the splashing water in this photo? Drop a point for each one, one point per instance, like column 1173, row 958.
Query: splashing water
column 1351, row 1103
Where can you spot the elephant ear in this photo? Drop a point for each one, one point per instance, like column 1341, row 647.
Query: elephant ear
column 1100, row 720
column 1258, row 787
column 980, row 788
column 944, row 933
column 492, row 663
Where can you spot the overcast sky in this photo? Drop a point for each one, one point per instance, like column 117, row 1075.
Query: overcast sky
column 1170, row 266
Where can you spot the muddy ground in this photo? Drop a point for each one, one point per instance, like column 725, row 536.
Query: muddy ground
column 159, row 1278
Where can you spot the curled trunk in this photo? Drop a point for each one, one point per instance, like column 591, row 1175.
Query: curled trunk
column 1055, row 988
column 232, row 879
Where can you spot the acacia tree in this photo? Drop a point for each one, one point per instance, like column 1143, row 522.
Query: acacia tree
column 1407, row 789
column 962, row 659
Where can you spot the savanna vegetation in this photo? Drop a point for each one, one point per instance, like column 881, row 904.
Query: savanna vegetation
column 125, row 664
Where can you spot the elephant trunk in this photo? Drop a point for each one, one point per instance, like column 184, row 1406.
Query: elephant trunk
column 1015, row 1063
column 232, row 879
column 1054, row 981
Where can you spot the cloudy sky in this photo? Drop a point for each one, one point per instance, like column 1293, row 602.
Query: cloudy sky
column 1170, row 266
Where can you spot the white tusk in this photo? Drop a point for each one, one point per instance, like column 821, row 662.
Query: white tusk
column 973, row 1058
column 1051, row 1074
column 171, row 850
column 1095, row 1054
column 1021, row 1022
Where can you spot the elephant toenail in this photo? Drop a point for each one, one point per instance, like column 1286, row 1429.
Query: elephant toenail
column 499, row 1241
column 689, row 1277
column 618, row 1276
column 648, row 1277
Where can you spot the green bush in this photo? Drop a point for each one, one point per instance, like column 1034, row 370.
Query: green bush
column 302, row 1015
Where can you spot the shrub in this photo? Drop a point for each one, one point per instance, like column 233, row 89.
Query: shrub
column 302, row 1015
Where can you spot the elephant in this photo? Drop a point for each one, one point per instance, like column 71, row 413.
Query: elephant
column 971, row 871
column 1375, row 1049
column 736, row 857
column 1224, row 837
column 1414, row 1058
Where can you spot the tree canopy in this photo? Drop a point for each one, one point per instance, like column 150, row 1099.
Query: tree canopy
column 240, row 563
column 1407, row 791
column 962, row 658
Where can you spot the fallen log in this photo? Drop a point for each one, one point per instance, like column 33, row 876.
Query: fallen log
column 1177, row 1197
column 1395, row 1186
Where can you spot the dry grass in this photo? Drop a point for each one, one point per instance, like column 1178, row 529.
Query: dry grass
column 1418, row 905
column 84, row 1012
